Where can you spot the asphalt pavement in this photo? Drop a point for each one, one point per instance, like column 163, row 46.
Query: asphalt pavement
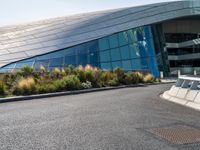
column 106, row 120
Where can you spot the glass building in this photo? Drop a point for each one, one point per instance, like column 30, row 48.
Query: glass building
column 150, row 38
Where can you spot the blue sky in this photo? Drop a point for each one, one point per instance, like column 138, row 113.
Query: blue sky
column 20, row 11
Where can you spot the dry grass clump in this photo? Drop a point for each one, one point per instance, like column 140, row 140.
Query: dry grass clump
column 149, row 78
column 24, row 86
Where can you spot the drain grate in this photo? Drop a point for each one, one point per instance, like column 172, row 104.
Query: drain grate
column 178, row 134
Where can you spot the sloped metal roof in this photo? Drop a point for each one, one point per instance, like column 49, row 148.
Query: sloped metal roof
column 36, row 38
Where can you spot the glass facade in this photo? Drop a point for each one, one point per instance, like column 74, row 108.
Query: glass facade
column 132, row 50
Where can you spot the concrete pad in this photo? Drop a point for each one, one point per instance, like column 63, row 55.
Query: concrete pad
column 193, row 105
column 166, row 95
column 182, row 93
column 178, row 101
column 197, row 99
column 191, row 95
column 173, row 91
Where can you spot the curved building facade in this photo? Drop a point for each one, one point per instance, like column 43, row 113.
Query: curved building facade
column 151, row 38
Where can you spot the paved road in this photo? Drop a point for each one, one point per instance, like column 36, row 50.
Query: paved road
column 114, row 119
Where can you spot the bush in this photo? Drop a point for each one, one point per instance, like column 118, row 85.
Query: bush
column 2, row 88
column 113, row 82
column 26, row 71
column 59, row 85
column 149, row 78
column 46, row 88
column 56, row 73
column 129, row 78
column 86, row 85
column 25, row 86
column 120, row 75
column 72, row 82
column 138, row 77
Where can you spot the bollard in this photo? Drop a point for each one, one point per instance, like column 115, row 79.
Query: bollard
column 161, row 75
column 195, row 72
column 179, row 73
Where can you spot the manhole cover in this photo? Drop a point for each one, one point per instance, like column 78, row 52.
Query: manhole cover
column 178, row 134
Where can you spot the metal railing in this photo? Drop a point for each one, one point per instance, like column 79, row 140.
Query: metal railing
column 189, row 82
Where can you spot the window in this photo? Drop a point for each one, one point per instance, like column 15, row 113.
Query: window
column 126, row 65
column 70, row 60
column 113, row 40
column 41, row 63
column 83, row 59
column 103, row 43
column 93, row 46
column 125, row 52
column 71, row 51
column 106, row 66
column 123, row 38
column 81, row 49
column 132, row 36
column 24, row 63
column 115, row 54
column 94, row 57
column 140, row 34
column 134, row 50
column 56, row 62
column 105, row 56
column 136, row 64
column 147, row 31
column 116, row 64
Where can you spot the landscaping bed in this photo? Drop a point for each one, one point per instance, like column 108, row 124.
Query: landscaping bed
column 27, row 81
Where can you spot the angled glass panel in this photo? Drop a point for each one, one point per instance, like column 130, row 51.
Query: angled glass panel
column 70, row 60
column 113, row 40
column 105, row 56
column 43, row 57
column 71, row 51
column 106, row 66
column 93, row 46
column 115, row 54
column 140, row 33
column 116, row 64
column 82, row 49
column 127, row 65
column 83, row 59
column 147, row 31
column 41, row 63
column 103, row 43
column 136, row 64
column 123, row 38
column 57, row 54
column 125, row 52
column 150, row 47
column 56, row 62
column 24, row 63
column 143, row 49
column 10, row 66
column 134, row 50
column 132, row 36
column 94, row 57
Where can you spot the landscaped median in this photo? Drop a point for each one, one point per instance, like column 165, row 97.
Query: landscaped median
column 68, row 80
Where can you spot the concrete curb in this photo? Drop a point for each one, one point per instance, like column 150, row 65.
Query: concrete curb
column 38, row 96
column 184, row 102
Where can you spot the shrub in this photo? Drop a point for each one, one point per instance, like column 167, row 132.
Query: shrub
column 25, row 86
column 59, row 85
column 138, row 77
column 120, row 75
column 56, row 73
column 72, row 82
column 45, row 88
column 113, row 82
column 26, row 71
column 149, row 78
column 2, row 88
column 129, row 78
column 86, row 85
